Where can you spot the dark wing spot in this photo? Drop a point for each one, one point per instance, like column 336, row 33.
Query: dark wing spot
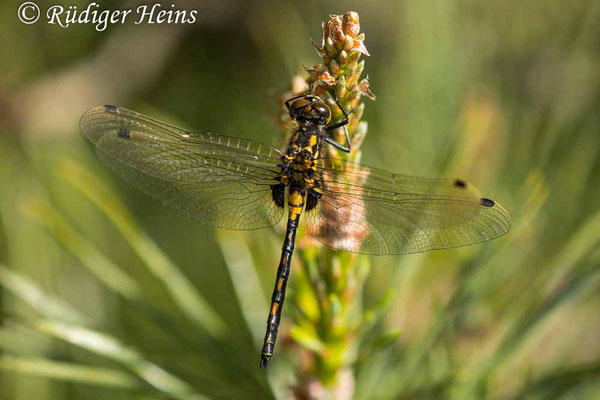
column 124, row 133
column 111, row 109
column 460, row 183
column 278, row 195
column 487, row 202
column 312, row 200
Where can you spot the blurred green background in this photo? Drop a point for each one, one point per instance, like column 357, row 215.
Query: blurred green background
column 106, row 294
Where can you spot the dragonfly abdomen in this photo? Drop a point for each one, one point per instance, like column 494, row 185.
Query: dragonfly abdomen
column 295, row 205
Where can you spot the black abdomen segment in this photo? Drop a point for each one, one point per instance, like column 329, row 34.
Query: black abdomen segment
column 283, row 274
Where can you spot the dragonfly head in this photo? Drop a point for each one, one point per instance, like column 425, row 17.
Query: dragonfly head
column 310, row 108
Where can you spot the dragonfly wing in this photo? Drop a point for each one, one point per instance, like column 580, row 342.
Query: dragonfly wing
column 219, row 180
column 365, row 210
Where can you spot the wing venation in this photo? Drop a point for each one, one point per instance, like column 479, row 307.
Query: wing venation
column 366, row 210
column 219, row 180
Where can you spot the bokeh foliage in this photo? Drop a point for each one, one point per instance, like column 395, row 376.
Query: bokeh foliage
column 106, row 294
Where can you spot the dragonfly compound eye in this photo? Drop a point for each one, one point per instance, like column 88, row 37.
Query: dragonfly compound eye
column 298, row 107
column 310, row 109
column 322, row 111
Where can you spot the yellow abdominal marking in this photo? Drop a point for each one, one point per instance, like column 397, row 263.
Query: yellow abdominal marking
column 295, row 204
column 295, row 198
column 274, row 308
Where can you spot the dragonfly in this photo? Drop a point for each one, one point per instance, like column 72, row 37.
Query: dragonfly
column 234, row 183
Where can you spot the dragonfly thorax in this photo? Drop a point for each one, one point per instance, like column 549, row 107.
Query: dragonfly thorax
column 300, row 157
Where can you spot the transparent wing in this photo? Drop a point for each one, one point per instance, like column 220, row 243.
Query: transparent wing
column 219, row 180
column 364, row 210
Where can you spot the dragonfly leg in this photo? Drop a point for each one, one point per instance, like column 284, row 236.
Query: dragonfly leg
column 342, row 123
column 335, row 144
column 289, row 101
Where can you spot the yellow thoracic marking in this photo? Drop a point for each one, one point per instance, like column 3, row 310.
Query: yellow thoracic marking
column 312, row 141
